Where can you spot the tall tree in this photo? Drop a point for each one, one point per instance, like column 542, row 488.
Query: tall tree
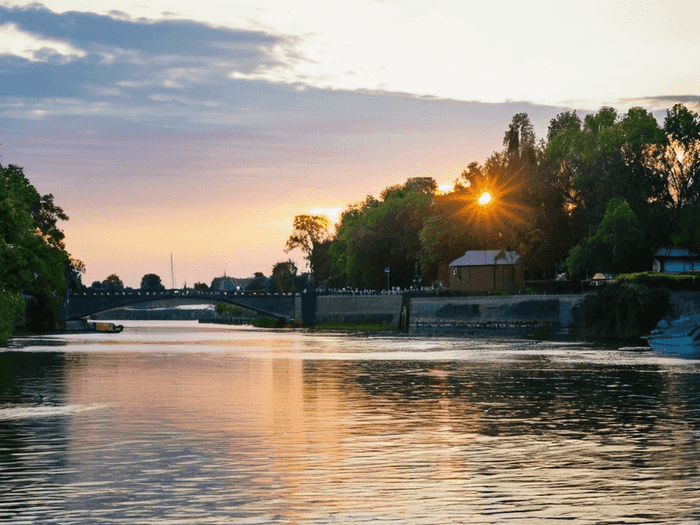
column 33, row 261
column 310, row 231
column 677, row 160
column 605, row 157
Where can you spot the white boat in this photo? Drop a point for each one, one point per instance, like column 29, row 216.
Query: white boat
column 677, row 336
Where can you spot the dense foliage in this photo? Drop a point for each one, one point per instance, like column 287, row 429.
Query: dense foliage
column 599, row 194
column 624, row 311
column 689, row 282
column 151, row 281
column 228, row 311
column 34, row 264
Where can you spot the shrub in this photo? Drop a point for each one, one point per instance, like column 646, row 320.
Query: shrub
column 264, row 322
column 671, row 281
column 228, row 311
column 622, row 310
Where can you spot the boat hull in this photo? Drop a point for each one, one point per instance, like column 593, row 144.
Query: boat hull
column 674, row 345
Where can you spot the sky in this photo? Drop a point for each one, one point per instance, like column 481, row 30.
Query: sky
column 200, row 129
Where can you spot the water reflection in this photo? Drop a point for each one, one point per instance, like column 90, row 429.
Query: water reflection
column 222, row 426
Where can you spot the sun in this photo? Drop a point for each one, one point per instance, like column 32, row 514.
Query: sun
column 489, row 205
column 484, row 199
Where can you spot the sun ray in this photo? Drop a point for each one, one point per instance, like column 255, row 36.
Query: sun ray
column 490, row 208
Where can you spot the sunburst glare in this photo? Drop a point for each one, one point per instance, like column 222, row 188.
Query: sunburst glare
column 484, row 199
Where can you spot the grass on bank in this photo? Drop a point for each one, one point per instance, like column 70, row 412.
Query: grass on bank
column 349, row 326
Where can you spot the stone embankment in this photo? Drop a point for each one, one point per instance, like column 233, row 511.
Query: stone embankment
column 517, row 313
column 351, row 309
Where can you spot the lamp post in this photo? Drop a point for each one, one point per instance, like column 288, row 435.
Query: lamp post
column 387, row 271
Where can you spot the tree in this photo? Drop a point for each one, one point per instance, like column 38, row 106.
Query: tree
column 614, row 248
column 113, row 282
column 375, row 235
column 519, row 139
column 440, row 238
column 425, row 185
column 676, row 160
column 689, row 235
column 201, row 286
column 151, row 281
column 606, row 156
column 259, row 283
column 310, row 231
column 284, row 275
column 33, row 261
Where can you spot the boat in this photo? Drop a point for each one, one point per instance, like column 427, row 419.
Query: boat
column 83, row 325
column 676, row 336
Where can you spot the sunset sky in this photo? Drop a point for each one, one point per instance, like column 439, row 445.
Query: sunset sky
column 201, row 128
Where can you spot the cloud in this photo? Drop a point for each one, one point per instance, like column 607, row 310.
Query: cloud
column 35, row 48
column 132, row 65
column 662, row 103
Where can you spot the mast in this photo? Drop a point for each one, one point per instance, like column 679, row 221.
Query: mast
column 172, row 272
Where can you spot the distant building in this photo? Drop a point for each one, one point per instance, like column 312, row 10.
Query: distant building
column 676, row 260
column 487, row 270
column 228, row 284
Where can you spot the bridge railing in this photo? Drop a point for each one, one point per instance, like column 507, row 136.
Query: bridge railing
column 170, row 293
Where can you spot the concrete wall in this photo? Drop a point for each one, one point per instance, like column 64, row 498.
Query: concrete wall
column 557, row 310
column 350, row 309
column 562, row 311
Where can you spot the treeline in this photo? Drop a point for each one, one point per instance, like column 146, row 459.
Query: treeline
column 597, row 194
column 35, row 267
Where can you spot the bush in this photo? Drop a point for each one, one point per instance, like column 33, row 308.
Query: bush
column 265, row 322
column 623, row 310
column 671, row 281
column 228, row 311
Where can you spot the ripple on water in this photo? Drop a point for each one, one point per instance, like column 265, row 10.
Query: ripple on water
column 282, row 427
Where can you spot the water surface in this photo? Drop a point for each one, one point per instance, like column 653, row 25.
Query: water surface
column 176, row 422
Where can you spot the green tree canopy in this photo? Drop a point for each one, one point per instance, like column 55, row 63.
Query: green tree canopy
column 615, row 247
column 112, row 282
column 375, row 235
column 310, row 232
column 33, row 260
column 151, row 281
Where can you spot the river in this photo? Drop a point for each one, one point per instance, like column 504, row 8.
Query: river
column 179, row 423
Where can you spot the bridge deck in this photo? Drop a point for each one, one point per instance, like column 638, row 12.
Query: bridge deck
column 84, row 303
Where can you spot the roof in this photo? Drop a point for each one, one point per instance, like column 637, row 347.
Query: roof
column 487, row 258
column 676, row 253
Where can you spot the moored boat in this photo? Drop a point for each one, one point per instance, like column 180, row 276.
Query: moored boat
column 676, row 336
column 93, row 326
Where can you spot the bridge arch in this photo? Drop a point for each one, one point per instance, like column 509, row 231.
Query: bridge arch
column 81, row 304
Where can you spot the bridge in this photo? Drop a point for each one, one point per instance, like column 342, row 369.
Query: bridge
column 77, row 305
